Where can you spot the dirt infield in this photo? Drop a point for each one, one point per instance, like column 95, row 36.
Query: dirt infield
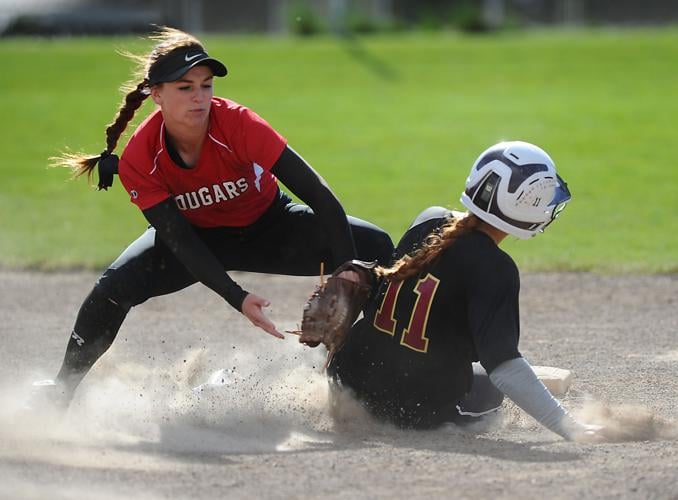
column 138, row 430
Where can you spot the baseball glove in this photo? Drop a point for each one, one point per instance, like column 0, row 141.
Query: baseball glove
column 335, row 305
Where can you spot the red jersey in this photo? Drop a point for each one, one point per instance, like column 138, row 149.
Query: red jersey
column 230, row 185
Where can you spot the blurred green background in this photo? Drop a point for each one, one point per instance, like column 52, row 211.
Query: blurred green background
column 393, row 122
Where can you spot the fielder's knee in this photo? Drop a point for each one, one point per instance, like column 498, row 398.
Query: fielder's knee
column 117, row 288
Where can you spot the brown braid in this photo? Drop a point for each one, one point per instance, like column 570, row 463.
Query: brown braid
column 434, row 244
column 131, row 102
column 167, row 39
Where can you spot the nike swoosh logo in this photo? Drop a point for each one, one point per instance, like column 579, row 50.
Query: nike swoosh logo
column 192, row 57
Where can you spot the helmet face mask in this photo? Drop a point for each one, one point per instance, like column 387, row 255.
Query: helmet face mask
column 514, row 187
column 559, row 202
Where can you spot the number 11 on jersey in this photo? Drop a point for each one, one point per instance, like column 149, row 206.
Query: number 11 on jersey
column 414, row 335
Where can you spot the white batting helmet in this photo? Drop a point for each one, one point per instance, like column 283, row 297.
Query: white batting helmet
column 514, row 187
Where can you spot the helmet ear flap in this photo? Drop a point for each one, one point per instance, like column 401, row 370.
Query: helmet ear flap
column 486, row 191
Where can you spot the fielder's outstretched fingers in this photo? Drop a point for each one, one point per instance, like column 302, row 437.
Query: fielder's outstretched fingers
column 270, row 328
column 252, row 308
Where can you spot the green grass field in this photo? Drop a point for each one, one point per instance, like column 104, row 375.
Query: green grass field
column 393, row 123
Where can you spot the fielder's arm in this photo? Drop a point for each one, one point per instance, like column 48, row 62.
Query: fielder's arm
column 178, row 234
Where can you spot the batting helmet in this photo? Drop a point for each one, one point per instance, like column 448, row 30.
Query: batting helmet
column 514, row 187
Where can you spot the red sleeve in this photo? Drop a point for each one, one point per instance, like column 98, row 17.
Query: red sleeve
column 144, row 188
column 260, row 143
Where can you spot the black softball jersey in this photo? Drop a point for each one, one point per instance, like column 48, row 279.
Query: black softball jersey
column 409, row 358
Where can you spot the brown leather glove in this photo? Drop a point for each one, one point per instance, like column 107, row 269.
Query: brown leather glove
column 335, row 305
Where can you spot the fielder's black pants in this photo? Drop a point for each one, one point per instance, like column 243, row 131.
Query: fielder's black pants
column 287, row 240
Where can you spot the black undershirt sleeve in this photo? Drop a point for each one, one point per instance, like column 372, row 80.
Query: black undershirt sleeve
column 305, row 183
column 176, row 232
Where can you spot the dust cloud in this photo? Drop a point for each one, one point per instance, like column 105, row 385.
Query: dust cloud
column 248, row 406
column 622, row 423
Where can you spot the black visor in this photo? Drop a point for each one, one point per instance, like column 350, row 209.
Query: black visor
column 178, row 62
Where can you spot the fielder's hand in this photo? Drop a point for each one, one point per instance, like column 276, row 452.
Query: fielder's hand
column 252, row 308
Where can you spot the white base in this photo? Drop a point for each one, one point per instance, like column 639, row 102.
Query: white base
column 557, row 380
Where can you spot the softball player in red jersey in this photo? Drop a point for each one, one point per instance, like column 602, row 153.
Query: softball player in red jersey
column 445, row 315
column 204, row 171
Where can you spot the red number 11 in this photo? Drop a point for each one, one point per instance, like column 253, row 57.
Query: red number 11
column 414, row 336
